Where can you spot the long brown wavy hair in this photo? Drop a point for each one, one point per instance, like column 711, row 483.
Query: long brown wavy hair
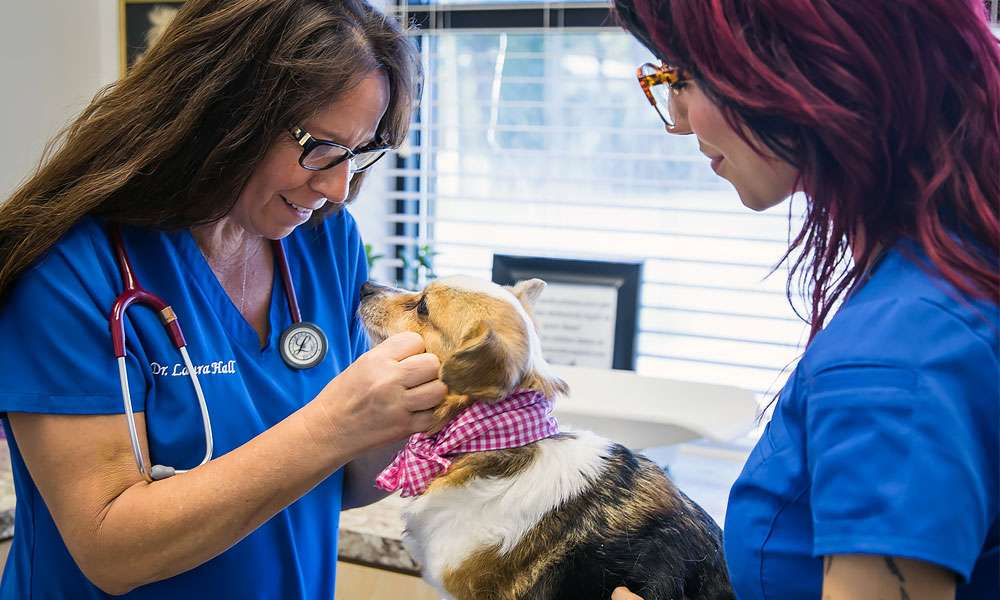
column 172, row 143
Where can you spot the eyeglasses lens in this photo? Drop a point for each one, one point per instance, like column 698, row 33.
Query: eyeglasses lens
column 662, row 94
column 322, row 156
column 363, row 160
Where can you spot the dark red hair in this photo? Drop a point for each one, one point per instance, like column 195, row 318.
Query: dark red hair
column 889, row 110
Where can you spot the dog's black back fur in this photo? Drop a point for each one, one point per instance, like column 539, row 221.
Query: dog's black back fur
column 676, row 554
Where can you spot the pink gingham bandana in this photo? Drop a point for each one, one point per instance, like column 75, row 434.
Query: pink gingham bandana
column 518, row 420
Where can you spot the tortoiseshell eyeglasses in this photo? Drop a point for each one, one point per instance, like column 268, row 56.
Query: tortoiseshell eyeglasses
column 660, row 84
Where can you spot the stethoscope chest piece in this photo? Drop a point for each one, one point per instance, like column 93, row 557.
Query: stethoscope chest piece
column 303, row 345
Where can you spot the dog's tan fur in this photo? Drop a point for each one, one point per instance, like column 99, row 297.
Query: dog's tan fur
column 485, row 464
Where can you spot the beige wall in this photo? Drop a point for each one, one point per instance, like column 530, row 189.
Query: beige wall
column 54, row 55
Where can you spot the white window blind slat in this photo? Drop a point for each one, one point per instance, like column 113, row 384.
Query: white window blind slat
column 487, row 249
column 766, row 381
column 773, row 331
column 456, row 200
column 633, row 245
column 602, row 218
column 695, row 273
column 478, row 182
column 727, row 350
column 716, row 300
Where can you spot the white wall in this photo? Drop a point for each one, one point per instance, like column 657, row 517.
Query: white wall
column 54, row 56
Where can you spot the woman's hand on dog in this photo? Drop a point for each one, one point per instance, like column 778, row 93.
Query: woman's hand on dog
column 623, row 594
column 387, row 394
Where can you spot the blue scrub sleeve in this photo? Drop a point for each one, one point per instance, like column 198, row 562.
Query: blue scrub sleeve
column 903, row 456
column 54, row 323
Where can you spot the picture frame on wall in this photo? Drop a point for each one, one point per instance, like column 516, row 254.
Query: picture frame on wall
column 588, row 314
column 140, row 22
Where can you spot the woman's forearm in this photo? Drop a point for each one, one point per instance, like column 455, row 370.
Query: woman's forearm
column 157, row 530
column 360, row 474
column 863, row 577
column 124, row 532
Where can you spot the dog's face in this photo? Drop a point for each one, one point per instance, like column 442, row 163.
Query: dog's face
column 482, row 333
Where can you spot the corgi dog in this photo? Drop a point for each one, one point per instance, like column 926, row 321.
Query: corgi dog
column 506, row 506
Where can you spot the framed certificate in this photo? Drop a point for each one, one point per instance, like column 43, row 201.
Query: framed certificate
column 588, row 314
column 140, row 23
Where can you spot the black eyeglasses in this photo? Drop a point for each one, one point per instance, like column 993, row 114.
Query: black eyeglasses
column 319, row 155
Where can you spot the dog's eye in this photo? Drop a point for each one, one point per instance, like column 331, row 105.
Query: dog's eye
column 422, row 307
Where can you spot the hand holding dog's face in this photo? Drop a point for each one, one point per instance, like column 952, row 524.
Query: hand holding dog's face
column 481, row 332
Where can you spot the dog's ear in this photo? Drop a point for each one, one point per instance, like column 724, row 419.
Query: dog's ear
column 528, row 291
column 483, row 367
column 538, row 378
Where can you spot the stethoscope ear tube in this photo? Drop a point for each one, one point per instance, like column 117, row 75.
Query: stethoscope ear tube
column 140, row 461
column 163, row 471
column 205, row 420
column 133, row 293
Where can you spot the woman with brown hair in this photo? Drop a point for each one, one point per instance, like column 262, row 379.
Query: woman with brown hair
column 878, row 473
column 213, row 460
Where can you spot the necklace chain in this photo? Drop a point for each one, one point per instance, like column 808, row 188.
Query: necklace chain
column 220, row 266
column 243, row 289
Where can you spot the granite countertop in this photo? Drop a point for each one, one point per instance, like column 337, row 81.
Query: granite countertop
column 6, row 493
column 373, row 535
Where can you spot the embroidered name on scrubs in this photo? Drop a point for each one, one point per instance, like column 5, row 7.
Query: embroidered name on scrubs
column 218, row 367
column 518, row 420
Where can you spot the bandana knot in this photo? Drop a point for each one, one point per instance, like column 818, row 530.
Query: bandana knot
column 518, row 420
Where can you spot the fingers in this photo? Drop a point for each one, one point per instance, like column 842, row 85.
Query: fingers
column 419, row 369
column 402, row 345
column 425, row 397
column 621, row 593
column 422, row 421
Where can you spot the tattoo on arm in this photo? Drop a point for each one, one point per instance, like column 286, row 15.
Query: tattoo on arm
column 894, row 569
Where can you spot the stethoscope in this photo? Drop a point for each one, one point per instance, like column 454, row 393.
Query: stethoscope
column 303, row 345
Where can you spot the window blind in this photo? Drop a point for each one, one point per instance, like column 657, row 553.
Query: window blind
column 534, row 138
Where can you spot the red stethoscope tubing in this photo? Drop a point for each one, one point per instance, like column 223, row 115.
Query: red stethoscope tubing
column 135, row 293
column 286, row 281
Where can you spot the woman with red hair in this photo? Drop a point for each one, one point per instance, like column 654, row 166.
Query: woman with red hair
column 878, row 474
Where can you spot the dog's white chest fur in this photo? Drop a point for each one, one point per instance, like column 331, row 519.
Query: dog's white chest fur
column 444, row 527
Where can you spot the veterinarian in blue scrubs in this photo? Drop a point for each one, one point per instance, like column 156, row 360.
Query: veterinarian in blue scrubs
column 214, row 176
column 878, row 474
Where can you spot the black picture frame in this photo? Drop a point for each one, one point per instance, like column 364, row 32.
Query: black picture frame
column 625, row 276
column 135, row 23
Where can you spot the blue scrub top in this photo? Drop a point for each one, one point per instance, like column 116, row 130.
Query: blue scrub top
column 58, row 358
column 884, row 441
